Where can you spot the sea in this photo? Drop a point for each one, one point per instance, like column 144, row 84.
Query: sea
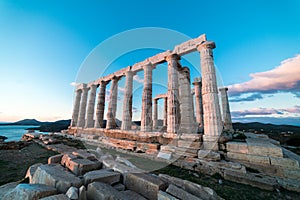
column 13, row 133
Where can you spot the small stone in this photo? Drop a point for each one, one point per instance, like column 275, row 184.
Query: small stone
column 82, row 193
column 72, row 193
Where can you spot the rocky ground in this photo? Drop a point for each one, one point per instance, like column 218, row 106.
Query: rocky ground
column 14, row 163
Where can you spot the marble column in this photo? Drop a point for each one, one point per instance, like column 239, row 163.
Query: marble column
column 173, row 93
column 91, row 107
column 165, row 111
column 112, row 106
column 76, row 108
column 82, row 110
column 155, row 120
column 187, row 122
column 198, row 101
column 127, row 103
column 227, row 123
column 100, row 105
column 211, row 107
column 146, row 117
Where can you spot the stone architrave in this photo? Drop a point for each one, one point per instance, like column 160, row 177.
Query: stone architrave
column 82, row 110
column 155, row 120
column 112, row 106
column 211, row 107
column 227, row 123
column 91, row 107
column 165, row 112
column 173, row 93
column 146, row 117
column 76, row 108
column 127, row 103
column 198, row 100
column 100, row 105
column 187, row 123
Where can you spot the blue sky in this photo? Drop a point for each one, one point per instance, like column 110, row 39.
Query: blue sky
column 43, row 45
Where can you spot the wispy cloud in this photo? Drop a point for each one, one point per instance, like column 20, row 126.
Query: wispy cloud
column 138, row 79
column 285, row 77
column 121, row 89
column 252, row 97
column 74, row 84
column 134, row 109
column 265, row 112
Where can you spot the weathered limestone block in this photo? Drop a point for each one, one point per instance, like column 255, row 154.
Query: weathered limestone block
column 259, row 181
column 165, row 196
column 237, row 147
column 56, row 176
column 188, row 144
column 79, row 166
column 72, row 193
column 199, row 191
column 56, row 197
column 104, row 175
column 165, row 155
column 180, row 193
column 284, row 162
column 82, row 193
column 30, row 192
column 84, row 154
column 144, row 184
column 102, row 191
column 291, row 173
column 261, row 160
column 31, row 170
column 7, row 188
column 261, row 147
column 119, row 187
column 237, row 156
column 293, row 185
column 55, row 159
column 123, row 169
column 132, row 195
column 209, row 155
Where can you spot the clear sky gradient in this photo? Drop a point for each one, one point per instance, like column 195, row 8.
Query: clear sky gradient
column 43, row 44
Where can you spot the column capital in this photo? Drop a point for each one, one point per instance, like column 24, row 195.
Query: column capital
column 206, row 45
column 197, row 81
column 223, row 89
column 149, row 64
column 173, row 56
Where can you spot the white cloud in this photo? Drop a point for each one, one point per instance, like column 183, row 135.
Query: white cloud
column 285, row 77
column 74, row 84
column 138, row 79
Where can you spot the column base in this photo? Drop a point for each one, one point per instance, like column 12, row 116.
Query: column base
column 210, row 142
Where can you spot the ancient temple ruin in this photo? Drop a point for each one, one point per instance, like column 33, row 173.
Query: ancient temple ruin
column 182, row 120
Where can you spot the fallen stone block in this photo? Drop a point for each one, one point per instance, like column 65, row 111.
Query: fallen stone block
column 261, row 160
column 132, row 195
column 6, row 188
column 56, row 197
column 255, row 180
column 237, row 156
column 124, row 169
column 104, row 175
column 30, row 191
column 180, row 193
column 292, row 185
column 291, row 173
column 56, row 176
column 202, row 192
column 55, row 159
column 209, row 155
column 84, row 154
column 82, row 193
column 284, row 162
column 188, row 144
column 31, row 170
column 119, row 187
column 237, row 147
column 72, row 193
column 102, row 191
column 164, row 155
column 144, row 184
column 165, row 196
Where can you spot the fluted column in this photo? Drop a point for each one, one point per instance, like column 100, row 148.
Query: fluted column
column 211, row 107
column 76, row 108
column 198, row 101
column 165, row 111
column 127, row 103
column 82, row 110
column 155, row 122
column 187, row 122
column 91, row 107
column 227, row 123
column 173, row 93
column 100, row 105
column 112, row 106
column 146, row 117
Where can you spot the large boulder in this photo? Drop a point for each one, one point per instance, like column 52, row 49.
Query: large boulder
column 30, row 192
column 56, row 197
column 31, row 170
column 102, row 191
column 4, row 189
column 180, row 193
column 56, row 176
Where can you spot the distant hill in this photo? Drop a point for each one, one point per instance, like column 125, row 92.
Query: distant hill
column 53, row 126
column 267, row 128
column 24, row 122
